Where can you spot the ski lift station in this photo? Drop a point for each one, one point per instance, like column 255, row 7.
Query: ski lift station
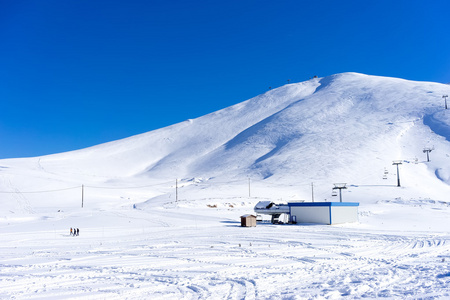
column 310, row 212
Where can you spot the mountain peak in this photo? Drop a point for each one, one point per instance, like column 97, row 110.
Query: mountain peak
column 343, row 127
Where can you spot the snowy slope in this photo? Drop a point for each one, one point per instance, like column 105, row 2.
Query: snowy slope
column 160, row 214
column 342, row 128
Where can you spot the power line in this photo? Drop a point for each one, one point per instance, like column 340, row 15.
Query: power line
column 85, row 186
column 127, row 187
column 36, row 192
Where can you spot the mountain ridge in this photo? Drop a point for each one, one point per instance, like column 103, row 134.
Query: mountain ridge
column 326, row 129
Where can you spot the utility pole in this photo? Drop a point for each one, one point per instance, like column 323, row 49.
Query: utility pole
column 82, row 195
column 445, row 98
column 397, row 162
column 176, row 190
column 340, row 187
column 312, row 191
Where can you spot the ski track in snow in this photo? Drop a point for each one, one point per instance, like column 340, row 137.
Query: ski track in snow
column 210, row 261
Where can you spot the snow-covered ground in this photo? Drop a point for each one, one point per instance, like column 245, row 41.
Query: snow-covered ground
column 190, row 251
column 160, row 215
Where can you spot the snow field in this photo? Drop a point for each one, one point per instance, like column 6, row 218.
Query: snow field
column 142, row 238
column 180, row 253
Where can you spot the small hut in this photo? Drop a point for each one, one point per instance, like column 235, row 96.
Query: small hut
column 248, row 221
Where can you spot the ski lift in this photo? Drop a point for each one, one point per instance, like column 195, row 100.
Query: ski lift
column 384, row 176
column 385, row 171
column 334, row 193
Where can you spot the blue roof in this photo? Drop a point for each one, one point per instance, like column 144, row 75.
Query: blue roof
column 323, row 204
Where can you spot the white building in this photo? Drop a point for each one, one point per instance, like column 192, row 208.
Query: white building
column 323, row 212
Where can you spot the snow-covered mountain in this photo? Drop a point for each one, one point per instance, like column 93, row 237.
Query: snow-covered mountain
column 159, row 212
column 343, row 128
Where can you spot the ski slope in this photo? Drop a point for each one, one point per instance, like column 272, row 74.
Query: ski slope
column 159, row 212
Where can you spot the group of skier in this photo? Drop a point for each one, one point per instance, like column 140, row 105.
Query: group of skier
column 74, row 231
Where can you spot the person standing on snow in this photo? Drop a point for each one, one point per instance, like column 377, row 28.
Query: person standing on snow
column 78, row 232
column 71, row 232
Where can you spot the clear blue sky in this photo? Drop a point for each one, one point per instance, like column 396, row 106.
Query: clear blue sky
column 76, row 73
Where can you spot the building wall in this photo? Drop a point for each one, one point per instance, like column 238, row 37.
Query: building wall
column 311, row 214
column 248, row 221
column 324, row 212
column 344, row 214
